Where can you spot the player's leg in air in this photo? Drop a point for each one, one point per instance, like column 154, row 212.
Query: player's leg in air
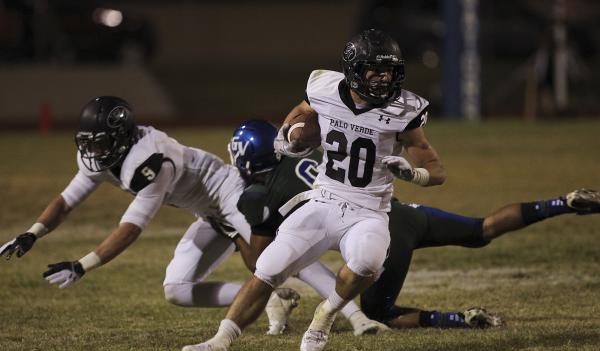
column 430, row 227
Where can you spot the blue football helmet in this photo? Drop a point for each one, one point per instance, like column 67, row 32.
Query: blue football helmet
column 251, row 147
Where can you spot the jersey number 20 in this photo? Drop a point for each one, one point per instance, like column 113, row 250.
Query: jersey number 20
column 338, row 173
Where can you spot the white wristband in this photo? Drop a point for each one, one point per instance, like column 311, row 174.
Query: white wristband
column 38, row 229
column 421, row 176
column 90, row 261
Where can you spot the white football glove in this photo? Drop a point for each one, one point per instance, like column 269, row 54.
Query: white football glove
column 288, row 148
column 402, row 169
column 64, row 273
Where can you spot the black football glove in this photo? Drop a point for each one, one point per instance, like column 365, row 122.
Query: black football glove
column 64, row 273
column 21, row 244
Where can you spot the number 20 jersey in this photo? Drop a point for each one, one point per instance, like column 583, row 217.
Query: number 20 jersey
column 355, row 141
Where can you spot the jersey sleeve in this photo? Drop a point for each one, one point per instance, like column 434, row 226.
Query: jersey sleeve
column 252, row 204
column 259, row 207
column 419, row 121
column 146, row 172
column 149, row 199
column 316, row 81
column 80, row 187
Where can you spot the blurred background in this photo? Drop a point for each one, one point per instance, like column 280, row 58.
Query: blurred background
column 192, row 62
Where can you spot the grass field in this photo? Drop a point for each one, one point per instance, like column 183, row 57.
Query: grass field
column 544, row 280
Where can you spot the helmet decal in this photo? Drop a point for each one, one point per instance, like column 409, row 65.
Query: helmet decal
column 349, row 52
column 238, row 147
column 116, row 116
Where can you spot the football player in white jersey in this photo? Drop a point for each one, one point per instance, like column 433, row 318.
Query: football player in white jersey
column 366, row 119
column 157, row 170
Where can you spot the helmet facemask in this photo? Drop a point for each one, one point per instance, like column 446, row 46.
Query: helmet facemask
column 101, row 151
column 378, row 83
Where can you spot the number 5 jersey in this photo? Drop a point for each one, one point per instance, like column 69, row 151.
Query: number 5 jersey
column 158, row 170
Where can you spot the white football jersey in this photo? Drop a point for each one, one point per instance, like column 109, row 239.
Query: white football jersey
column 190, row 178
column 354, row 141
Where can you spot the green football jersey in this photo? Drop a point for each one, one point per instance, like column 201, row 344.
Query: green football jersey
column 260, row 203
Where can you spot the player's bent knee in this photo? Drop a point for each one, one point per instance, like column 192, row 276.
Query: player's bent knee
column 177, row 294
column 272, row 281
column 369, row 263
column 274, row 265
column 365, row 268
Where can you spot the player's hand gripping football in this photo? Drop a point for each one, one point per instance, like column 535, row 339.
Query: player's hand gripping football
column 288, row 148
column 21, row 244
column 64, row 273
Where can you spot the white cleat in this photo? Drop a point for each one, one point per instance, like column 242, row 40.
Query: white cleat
column 370, row 327
column 315, row 338
column 584, row 201
column 478, row 317
column 279, row 307
column 203, row 347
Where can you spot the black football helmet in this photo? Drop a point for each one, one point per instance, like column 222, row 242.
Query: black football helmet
column 373, row 50
column 106, row 132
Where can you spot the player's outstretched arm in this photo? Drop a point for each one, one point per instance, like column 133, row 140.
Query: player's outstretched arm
column 139, row 213
column 423, row 155
column 56, row 211
column 67, row 273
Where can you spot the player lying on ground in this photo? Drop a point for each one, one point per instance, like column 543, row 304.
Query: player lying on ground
column 158, row 170
column 363, row 120
column 273, row 181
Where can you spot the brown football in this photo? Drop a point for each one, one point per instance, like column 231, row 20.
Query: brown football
column 305, row 130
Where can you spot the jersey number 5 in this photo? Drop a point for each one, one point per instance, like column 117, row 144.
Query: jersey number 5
column 338, row 173
column 148, row 173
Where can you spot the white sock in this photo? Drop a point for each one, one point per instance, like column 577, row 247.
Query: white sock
column 228, row 331
column 334, row 302
column 350, row 309
column 320, row 278
column 357, row 318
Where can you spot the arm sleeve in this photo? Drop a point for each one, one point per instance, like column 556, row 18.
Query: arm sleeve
column 79, row 189
column 147, row 202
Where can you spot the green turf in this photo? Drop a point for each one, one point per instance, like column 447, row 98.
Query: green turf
column 544, row 280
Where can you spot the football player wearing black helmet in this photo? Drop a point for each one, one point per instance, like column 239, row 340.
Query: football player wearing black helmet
column 365, row 120
column 106, row 132
column 156, row 170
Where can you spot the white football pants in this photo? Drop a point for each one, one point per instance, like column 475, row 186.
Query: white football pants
column 326, row 223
